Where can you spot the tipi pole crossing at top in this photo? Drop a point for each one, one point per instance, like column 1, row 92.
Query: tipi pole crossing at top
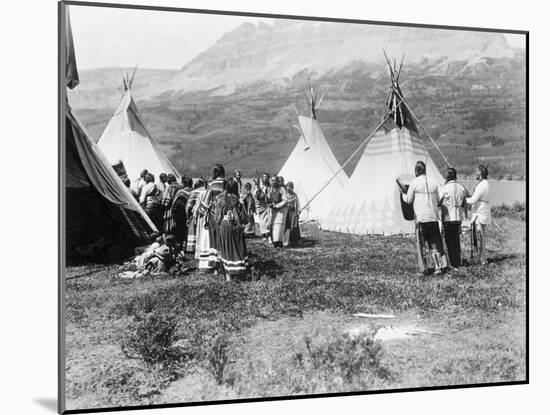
column 349, row 158
column 423, row 128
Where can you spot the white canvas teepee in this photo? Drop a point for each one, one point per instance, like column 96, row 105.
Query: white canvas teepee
column 371, row 203
column 126, row 139
column 310, row 166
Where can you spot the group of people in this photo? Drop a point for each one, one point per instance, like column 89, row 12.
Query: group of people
column 211, row 219
column 277, row 209
column 448, row 203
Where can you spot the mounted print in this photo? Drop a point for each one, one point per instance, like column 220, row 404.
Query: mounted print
column 257, row 206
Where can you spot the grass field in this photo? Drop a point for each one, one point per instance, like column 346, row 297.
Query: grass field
column 291, row 330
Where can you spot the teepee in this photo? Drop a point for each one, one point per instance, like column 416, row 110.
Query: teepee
column 97, row 204
column 126, row 139
column 311, row 165
column 371, row 201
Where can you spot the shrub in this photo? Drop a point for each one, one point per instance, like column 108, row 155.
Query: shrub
column 213, row 341
column 217, row 356
column 152, row 338
column 353, row 359
column 516, row 211
column 125, row 383
column 341, row 363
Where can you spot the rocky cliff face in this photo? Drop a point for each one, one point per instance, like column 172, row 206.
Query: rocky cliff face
column 293, row 51
column 236, row 101
column 272, row 53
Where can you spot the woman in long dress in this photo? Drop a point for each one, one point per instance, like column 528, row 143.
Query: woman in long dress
column 202, row 250
column 230, row 219
column 292, row 225
column 178, row 212
column 263, row 211
column 192, row 217
column 214, row 188
column 279, row 208
column 250, row 210
column 168, row 195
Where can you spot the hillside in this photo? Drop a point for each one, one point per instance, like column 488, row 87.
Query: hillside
column 234, row 102
column 273, row 53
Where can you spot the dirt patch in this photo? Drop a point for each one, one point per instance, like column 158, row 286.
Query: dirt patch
column 196, row 387
column 392, row 332
column 268, row 348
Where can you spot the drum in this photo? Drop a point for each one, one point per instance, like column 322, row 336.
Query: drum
column 403, row 181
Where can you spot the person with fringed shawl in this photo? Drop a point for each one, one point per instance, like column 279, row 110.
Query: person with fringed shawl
column 230, row 218
column 249, row 208
column 170, row 190
column 202, row 249
column 262, row 200
column 215, row 187
column 191, row 211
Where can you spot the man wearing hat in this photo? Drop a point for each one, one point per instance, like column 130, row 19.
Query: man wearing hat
column 453, row 206
column 424, row 194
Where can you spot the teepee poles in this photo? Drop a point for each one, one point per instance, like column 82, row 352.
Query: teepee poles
column 365, row 141
column 394, row 74
column 131, row 79
column 313, row 100
column 424, row 129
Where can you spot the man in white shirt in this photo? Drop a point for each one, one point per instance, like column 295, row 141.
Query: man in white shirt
column 481, row 209
column 424, row 194
column 140, row 182
column 453, row 205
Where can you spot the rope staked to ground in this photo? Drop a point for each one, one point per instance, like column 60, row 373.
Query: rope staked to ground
column 350, row 157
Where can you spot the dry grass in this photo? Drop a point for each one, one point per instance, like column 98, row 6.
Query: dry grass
column 249, row 339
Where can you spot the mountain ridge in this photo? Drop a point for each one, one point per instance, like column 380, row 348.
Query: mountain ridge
column 235, row 102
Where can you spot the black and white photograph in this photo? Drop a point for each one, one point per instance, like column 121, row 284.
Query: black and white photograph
column 259, row 206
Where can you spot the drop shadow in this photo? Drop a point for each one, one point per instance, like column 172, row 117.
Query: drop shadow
column 262, row 268
column 305, row 243
column 495, row 259
column 48, row 403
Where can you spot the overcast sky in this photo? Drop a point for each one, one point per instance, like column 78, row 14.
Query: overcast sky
column 107, row 37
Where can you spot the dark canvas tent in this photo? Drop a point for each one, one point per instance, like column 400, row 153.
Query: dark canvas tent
column 100, row 210
column 98, row 205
